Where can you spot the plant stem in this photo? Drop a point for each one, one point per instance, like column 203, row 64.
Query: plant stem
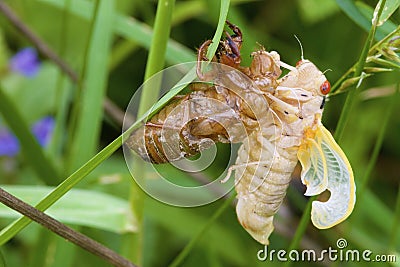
column 149, row 96
column 12, row 229
column 351, row 96
column 63, row 230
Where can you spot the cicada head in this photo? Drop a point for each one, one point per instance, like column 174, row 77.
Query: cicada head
column 310, row 78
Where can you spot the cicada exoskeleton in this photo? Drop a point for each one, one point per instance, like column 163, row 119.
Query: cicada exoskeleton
column 235, row 93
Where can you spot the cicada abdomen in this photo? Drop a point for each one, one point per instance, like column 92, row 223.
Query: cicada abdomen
column 222, row 112
column 261, row 181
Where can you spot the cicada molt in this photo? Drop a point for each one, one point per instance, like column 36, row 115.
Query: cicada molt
column 278, row 122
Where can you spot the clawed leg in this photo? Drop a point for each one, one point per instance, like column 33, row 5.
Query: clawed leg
column 229, row 50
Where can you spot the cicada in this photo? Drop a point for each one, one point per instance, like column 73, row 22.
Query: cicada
column 278, row 122
column 267, row 159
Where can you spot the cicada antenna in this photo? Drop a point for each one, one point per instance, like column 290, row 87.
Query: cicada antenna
column 301, row 47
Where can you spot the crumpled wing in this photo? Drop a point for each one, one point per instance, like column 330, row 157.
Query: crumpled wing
column 325, row 166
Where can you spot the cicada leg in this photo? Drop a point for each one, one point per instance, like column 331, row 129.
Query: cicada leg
column 229, row 52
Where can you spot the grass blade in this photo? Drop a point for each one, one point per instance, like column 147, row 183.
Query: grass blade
column 89, row 116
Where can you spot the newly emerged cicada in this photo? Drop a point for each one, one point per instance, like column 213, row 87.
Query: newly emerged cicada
column 278, row 122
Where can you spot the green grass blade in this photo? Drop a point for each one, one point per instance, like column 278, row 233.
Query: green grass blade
column 384, row 26
column 182, row 12
column 89, row 117
column 156, row 58
column 31, row 149
column 141, row 33
column 223, row 14
column 390, row 7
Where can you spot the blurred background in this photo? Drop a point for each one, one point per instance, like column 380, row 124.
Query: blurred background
column 107, row 53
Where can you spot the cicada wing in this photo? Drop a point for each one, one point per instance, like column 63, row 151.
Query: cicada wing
column 340, row 184
column 314, row 172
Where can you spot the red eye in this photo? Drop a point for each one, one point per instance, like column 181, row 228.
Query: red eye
column 325, row 87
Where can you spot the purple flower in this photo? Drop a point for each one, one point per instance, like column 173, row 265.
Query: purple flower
column 43, row 130
column 9, row 145
column 25, row 62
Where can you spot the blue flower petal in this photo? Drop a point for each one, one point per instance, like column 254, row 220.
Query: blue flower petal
column 43, row 130
column 25, row 62
column 9, row 145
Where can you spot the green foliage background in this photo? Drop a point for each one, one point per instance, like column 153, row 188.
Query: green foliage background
column 106, row 42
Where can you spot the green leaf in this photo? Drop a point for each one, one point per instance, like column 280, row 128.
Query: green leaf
column 388, row 10
column 367, row 11
column 80, row 207
column 357, row 12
